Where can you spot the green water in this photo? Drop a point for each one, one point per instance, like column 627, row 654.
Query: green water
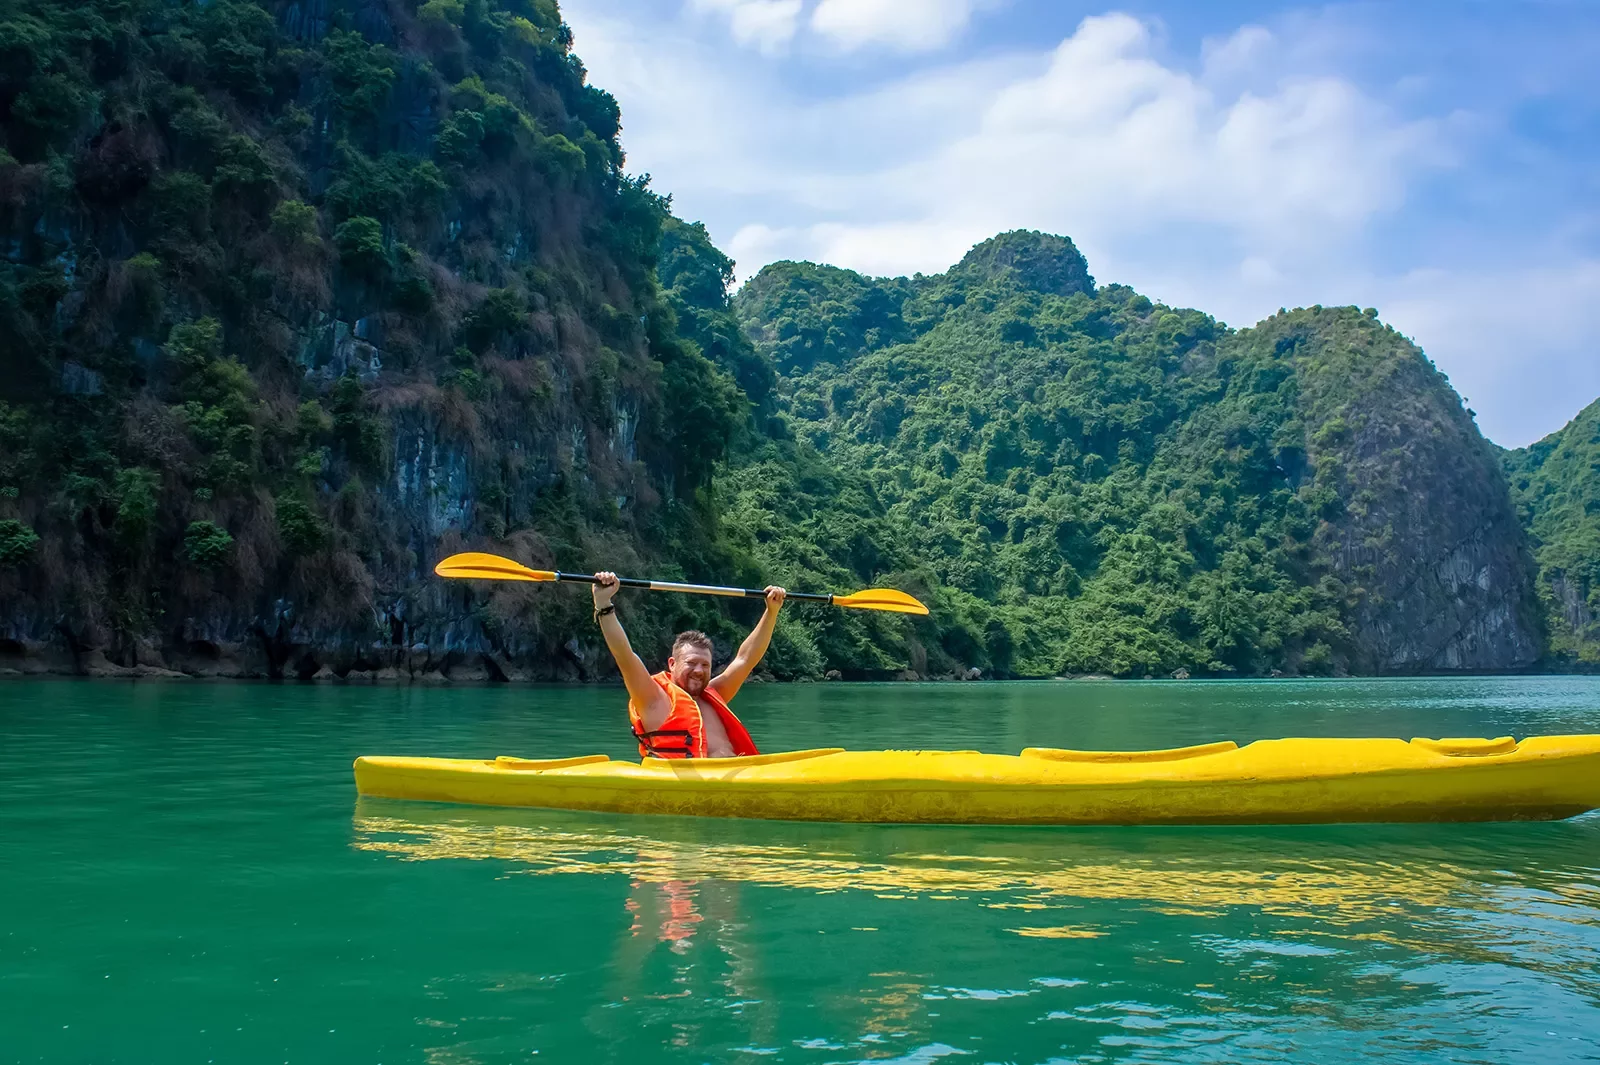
column 187, row 876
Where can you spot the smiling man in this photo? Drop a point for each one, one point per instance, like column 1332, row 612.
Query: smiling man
column 683, row 712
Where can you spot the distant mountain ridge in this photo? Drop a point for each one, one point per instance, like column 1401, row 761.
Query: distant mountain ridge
column 1110, row 485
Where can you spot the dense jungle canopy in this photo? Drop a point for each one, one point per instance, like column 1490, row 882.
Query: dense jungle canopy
column 298, row 297
column 1556, row 484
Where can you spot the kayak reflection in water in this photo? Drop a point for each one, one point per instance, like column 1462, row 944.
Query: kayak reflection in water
column 683, row 712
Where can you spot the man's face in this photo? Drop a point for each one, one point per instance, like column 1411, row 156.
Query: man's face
column 690, row 668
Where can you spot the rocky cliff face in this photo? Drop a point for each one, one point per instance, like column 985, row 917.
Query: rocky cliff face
column 1436, row 570
column 1556, row 483
column 1108, row 485
column 298, row 297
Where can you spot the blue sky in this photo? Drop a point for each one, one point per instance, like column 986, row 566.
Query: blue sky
column 1439, row 161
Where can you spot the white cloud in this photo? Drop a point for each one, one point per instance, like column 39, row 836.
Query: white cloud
column 719, row 130
column 1108, row 140
column 1143, row 164
column 1097, row 139
column 887, row 250
column 904, row 25
column 766, row 24
column 1518, row 344
column 1238, row 54
column 1136, row 160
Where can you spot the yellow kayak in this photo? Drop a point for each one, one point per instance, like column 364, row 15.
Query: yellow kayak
column 1289, row 781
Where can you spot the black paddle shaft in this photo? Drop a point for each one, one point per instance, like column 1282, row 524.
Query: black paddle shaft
column 703, row 589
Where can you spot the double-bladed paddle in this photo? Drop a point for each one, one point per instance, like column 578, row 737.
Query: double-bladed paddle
column 476, row 565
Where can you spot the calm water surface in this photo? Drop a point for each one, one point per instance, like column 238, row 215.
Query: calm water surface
column 188, row 877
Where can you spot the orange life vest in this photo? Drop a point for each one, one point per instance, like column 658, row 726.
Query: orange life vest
column 683, row 733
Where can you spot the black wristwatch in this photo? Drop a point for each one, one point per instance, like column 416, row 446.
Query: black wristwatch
column 609, row 608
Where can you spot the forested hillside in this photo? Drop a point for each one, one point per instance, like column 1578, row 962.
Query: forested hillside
column 1556, row 483
column 1092, row 482
column 297, row 297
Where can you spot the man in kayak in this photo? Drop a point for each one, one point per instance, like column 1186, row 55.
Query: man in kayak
column 683, row 712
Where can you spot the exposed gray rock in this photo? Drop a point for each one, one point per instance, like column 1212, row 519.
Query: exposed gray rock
column 1426, row 540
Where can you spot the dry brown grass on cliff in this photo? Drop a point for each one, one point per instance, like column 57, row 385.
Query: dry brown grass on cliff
column 521, row 379
column 542, row 325
column 255, row 541
column 122, row 281
column 576, row 341
column 20, row 185
column 452, row 415
column 335, row 591
column 155, row 435
column 93, row 327
column 410, row 339
column 457, row 418
column 453, row 297
column 300, row 273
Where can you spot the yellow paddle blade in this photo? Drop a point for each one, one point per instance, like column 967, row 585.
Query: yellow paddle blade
column 882, row 599
column 476, row 565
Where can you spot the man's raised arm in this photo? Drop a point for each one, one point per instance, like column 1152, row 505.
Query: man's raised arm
column 645, row 693
column 730, row 680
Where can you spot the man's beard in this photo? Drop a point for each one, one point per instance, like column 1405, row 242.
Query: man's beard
column 693, row 683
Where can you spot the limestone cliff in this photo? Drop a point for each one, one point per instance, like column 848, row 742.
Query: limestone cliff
column 1556, row 482
column 1419, row 526
column 297, row 296
column 1095, row 483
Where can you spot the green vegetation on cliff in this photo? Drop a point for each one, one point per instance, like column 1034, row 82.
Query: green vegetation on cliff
column 307, row 294
column 296, row 298
column 1556, row 483
column 1086, row 481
